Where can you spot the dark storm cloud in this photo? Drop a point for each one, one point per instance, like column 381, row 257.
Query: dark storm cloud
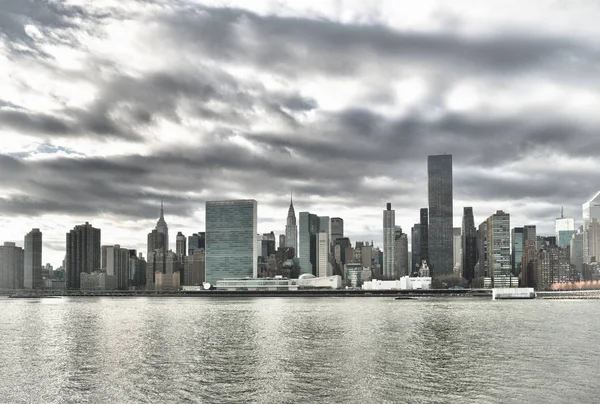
column 308, row 46
column 56, row 20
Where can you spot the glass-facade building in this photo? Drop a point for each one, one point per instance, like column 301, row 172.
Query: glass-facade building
column 469, row 244
column 439, row 174
column 310, row 226
column 517, row 245
column 498, row 238
column 389, row 246
column 231, row 236
column 415, row 242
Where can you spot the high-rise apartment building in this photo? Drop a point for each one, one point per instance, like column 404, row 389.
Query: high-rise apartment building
column 11, row 266
column 439, row 173
column 498, row 241
column 231, row 240
column 291, row 229
column 529, row 264
column 32, row 273
column 401, row 250
column 469, row 244
column 389, row 245
column 116, row 262
column 83, row 253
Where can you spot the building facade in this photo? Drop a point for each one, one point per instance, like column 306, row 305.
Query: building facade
column 83, row 253
column 439, row 173
column 196, row 241
column 389, row 244
column 415, row 243
column 517, row 244
column 291, row 229
column 180, row 245
column 401, row 251
column 231, row 239
column 310, row 227
column 590, row 210
column 469, row 244
column 337, row 228
column 115, row 262
column 12, row 261
column 424, row 229
column 498, row 238
column 32, row 272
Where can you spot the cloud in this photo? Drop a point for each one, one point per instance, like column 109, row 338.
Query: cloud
column 191, row 103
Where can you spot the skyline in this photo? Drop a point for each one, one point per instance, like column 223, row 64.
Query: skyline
column 102, row 114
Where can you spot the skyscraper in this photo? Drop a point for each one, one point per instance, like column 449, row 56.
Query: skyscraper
column 498, row 242
column 563, row 223
column 308, row 249
column 116, row 261
column 590, row 210
column 415, row 241
column 529, row 233
column 32, row 273
column 196, row 241
column 161, row 226
column 231, row 240
column 439, row 170
column 158, row 239
column 180, row 246
column 11, row 266
column 457, row 251
column 83, row 253
column 517, row 244
column 576, row 251
column 337, row 228
column 469, row 244
column 291, row 229
column 424, row 217
column 389, row 245
column 323, row 254
column 401, row 251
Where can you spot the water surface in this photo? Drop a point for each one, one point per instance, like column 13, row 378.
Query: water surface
column 290, row 350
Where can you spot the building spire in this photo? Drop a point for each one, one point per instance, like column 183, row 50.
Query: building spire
column 161, row 209
column 562, row 216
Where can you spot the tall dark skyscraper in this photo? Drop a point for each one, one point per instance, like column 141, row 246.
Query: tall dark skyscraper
column 83, row 253
column 439, row 173
column 424, row 245
column 469, row 244
column 516, row 250
column 415, row 241
column 32, row 274
column 337, row 228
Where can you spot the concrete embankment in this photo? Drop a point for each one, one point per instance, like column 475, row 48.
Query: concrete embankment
column 259, row 293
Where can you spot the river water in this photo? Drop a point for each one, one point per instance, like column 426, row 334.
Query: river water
column 298, row 350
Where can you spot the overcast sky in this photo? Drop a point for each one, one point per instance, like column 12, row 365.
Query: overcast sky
column 107, row 106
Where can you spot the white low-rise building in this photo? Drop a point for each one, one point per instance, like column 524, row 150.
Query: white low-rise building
column 305, row 281
column 404, row 283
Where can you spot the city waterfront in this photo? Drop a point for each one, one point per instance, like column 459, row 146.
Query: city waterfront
column 289, row 350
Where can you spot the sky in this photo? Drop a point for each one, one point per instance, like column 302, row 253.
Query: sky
column 108, row 106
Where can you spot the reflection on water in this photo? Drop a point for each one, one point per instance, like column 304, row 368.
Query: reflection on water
column 290, row 350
